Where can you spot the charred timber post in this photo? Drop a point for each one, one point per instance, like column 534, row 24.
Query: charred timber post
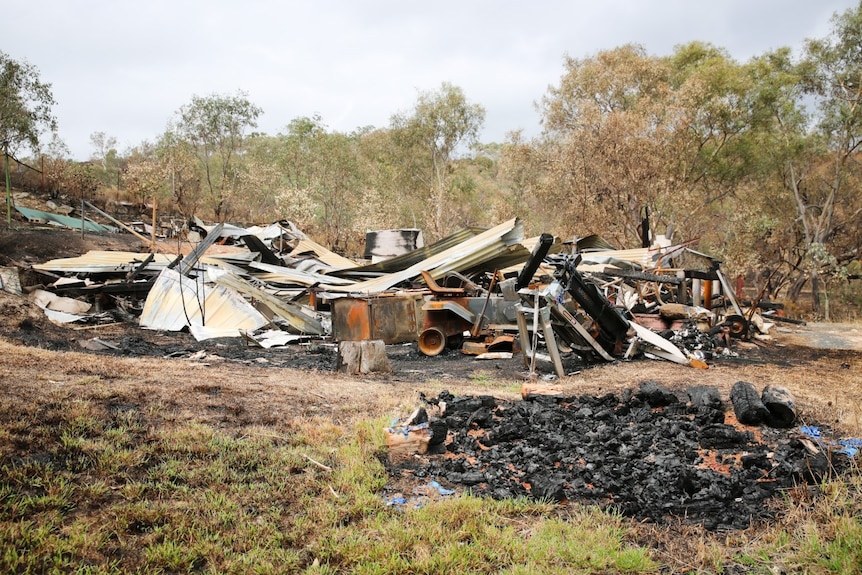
column 540, row 250
column 613, row 327
column 747, row 405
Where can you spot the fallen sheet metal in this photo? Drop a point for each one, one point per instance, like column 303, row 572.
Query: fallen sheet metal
column 478, row 250
column 176, row 301
column 49, row 300
column 404, row 261
column 62, row 317
column 62, row 310
column 660, row 347
column 285, row 275
column 293, row 314
column 96, row 344
column 273, row 338
column 96, row 261
column 646, row 258
column 330, row 259
column 66, row 221
column 187, row 264
column 107, row 262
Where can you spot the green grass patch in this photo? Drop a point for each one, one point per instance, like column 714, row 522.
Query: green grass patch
column 107, row 493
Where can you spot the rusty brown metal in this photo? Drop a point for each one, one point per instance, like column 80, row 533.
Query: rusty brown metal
column 707, row 294
column 441, row 291
column 492, row 343
column 432, row 341
column 474, row 331
column 392, row 319
column 450, row 316
column 470, row 322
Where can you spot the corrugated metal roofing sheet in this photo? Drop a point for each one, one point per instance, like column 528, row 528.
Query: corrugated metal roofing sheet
column 293, row 314
column 328, row 257
column 466, row 255
column 287, row 275
column 96, row 261
column 68, row 221
column 175, row 302
column 646, row 258
column 404, row 261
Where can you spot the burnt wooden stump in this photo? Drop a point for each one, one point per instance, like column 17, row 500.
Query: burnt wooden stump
column 362, row 357
column 781, row 406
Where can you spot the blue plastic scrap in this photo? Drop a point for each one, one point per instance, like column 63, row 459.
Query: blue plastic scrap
column 402, row 503
column 849, row 447
column 394, row 428
column 440, row 489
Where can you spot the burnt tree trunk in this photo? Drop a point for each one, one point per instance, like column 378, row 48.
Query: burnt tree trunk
column 781, row 406
column 747, row 405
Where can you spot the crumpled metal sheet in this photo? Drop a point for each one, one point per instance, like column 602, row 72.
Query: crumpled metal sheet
column 175, row 302
column 482, row 248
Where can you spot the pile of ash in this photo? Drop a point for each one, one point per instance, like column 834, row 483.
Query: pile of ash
column 646, row 453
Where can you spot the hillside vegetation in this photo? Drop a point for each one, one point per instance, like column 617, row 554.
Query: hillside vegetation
column 756, row 162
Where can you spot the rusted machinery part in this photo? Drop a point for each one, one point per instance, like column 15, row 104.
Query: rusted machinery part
column 432, row 341
column 738, row 326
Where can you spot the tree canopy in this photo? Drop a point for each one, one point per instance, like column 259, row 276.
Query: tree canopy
column 25, row 105
column 214, row 127
column 441, row 124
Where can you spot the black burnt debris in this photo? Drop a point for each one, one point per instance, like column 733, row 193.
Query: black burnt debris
column 646, row 453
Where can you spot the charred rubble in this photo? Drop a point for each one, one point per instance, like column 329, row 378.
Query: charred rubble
column 647, row 453
column 482, row 292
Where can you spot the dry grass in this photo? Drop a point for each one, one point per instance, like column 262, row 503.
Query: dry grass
column 304, row 414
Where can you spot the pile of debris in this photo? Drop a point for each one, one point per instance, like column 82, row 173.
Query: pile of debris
column 484, row 292
column 647, row 453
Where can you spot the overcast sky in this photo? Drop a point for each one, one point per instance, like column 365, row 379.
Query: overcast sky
column 125, row 67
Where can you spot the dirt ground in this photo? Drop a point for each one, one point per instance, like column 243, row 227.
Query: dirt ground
column 231, row 384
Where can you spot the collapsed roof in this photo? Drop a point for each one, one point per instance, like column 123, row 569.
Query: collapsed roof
column 277, row 277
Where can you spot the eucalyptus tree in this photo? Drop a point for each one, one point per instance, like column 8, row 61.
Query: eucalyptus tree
column 25, row 112
column 311, row 176
column 606, row 129
column 177, row 161
column 385, row 204
column 215, row 127
column 826, row 191
column 145, row 177
column 54, row 163
column 267, row 192
column 759, row 228
column 716, row 139
column 26, row 104
column 167, row 172
column 105, row 154
column 431, row 138
column 805, row 214
column 625, row 131
column 519, row 180
column 326, row 164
